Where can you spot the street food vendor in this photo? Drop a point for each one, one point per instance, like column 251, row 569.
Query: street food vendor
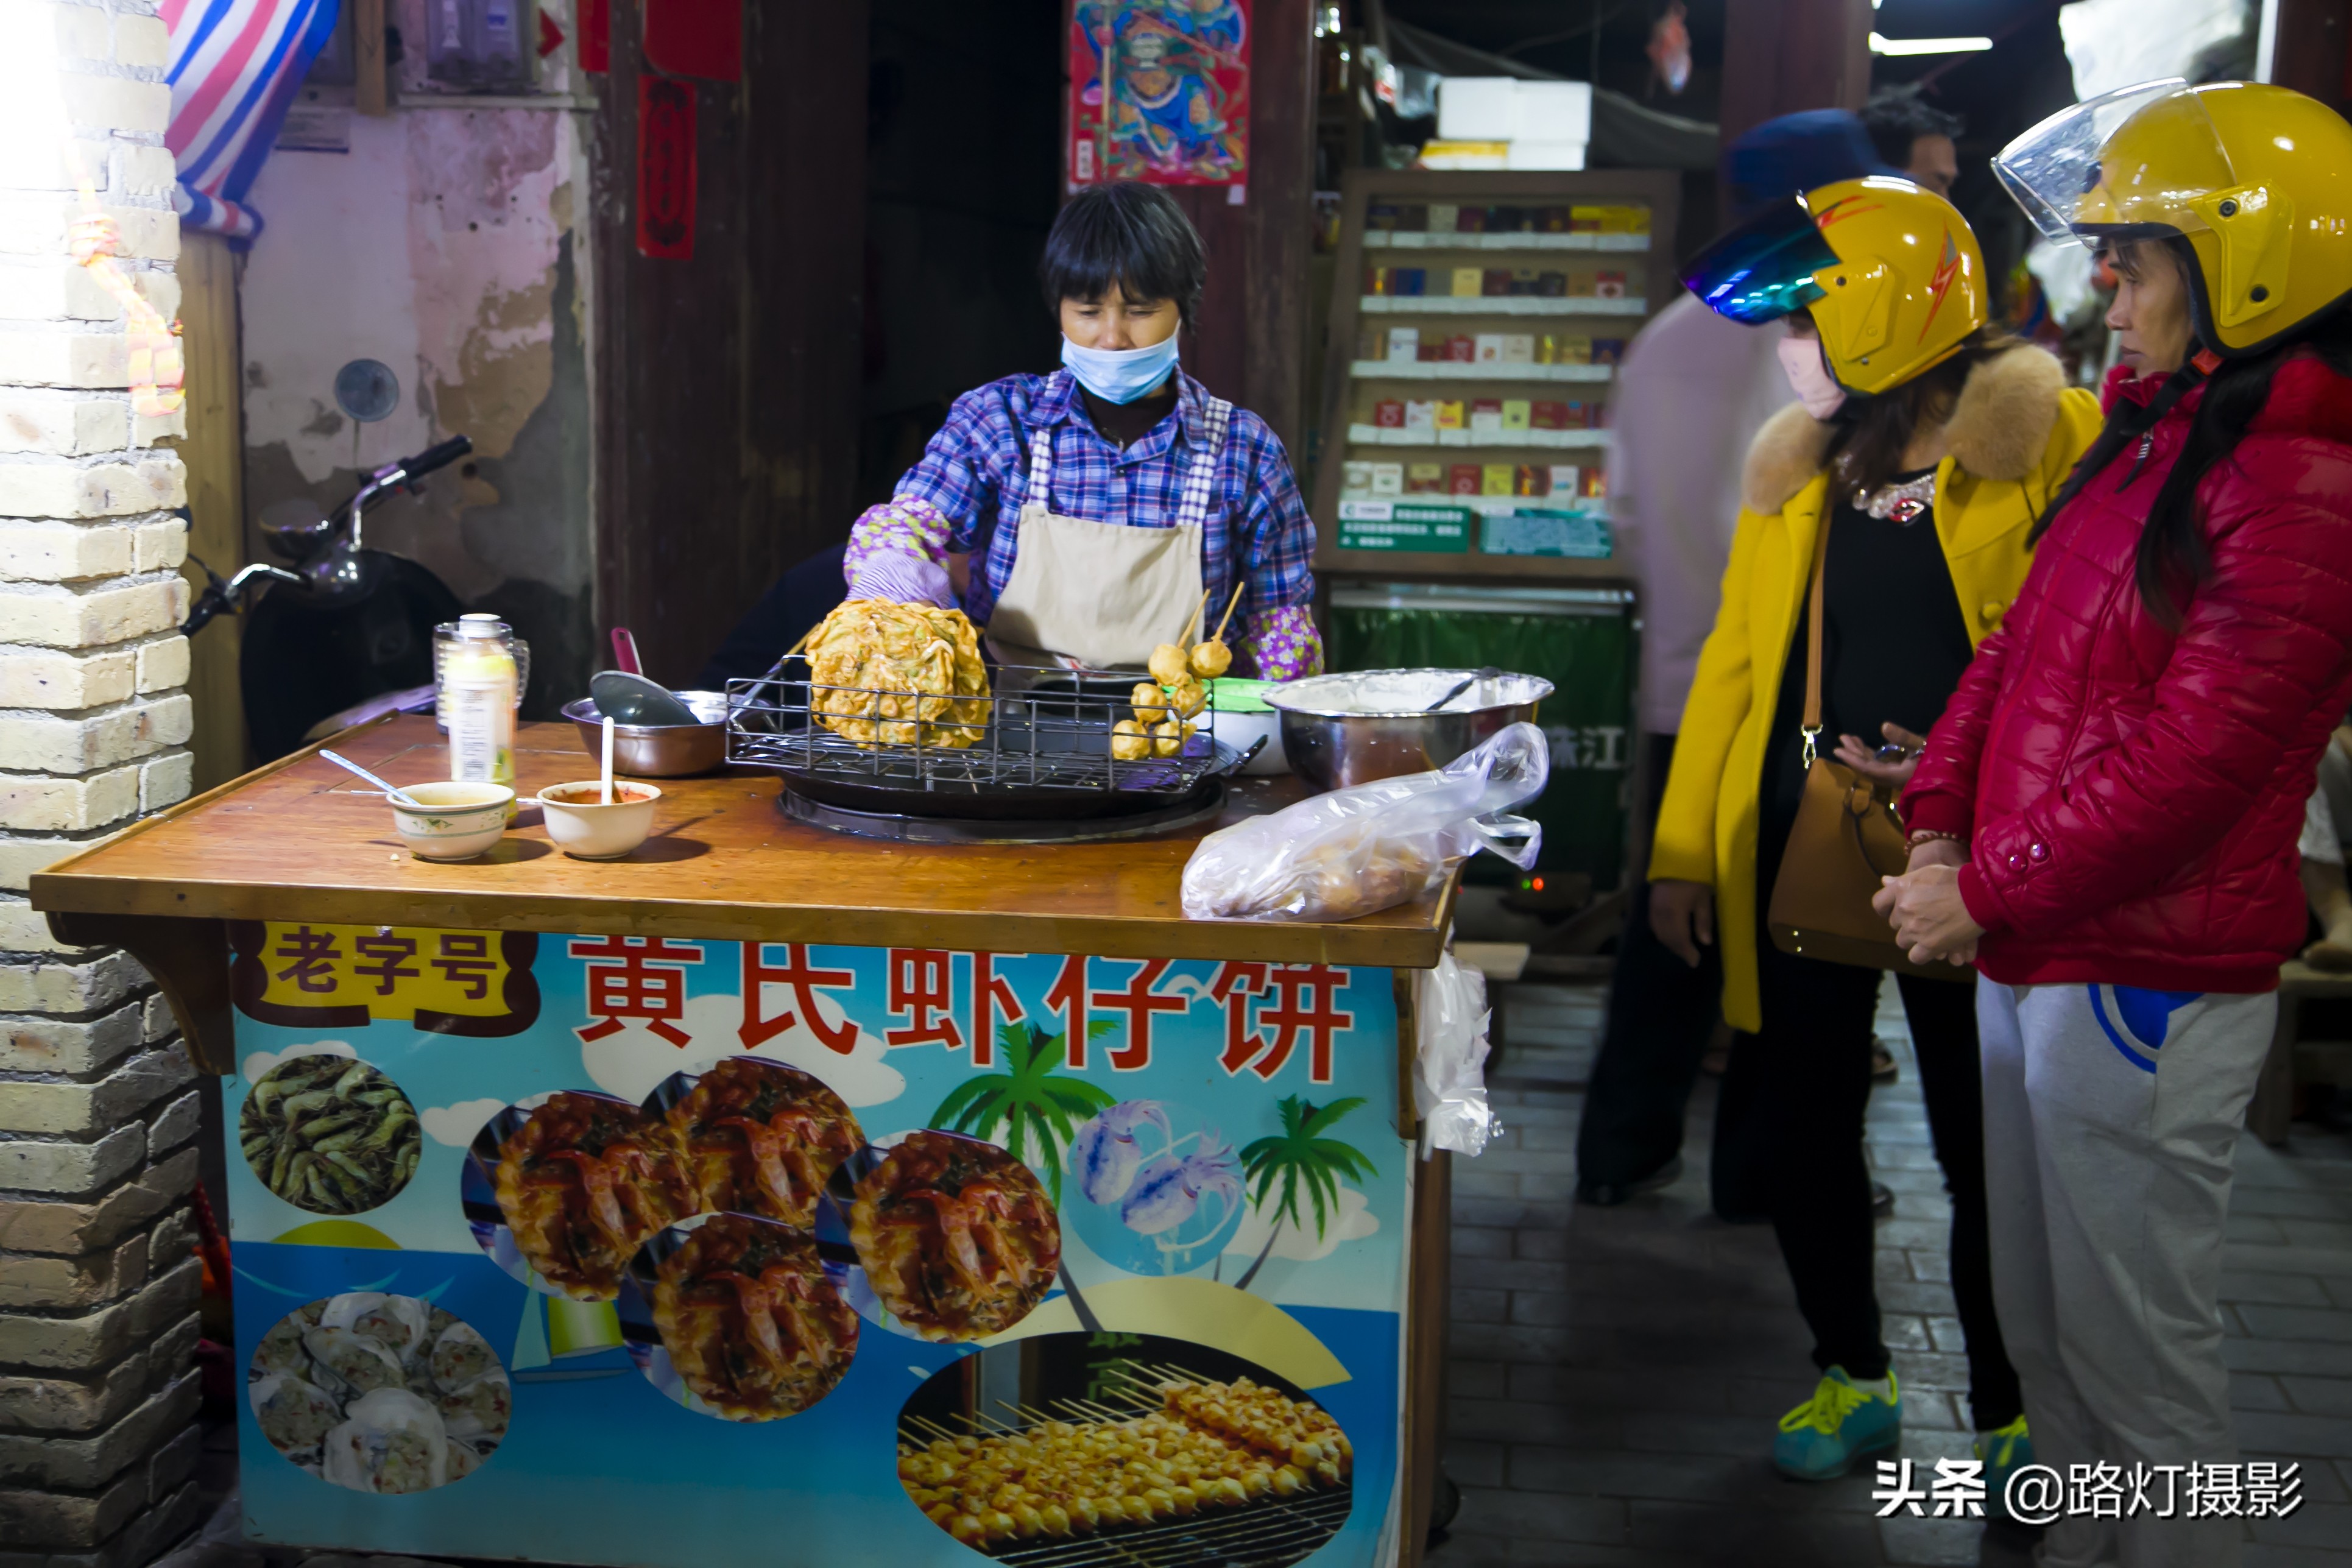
column 1097, row 505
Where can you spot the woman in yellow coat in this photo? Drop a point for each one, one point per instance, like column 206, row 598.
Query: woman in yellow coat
column 1927, row 445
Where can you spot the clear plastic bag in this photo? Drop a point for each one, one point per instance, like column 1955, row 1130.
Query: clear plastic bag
column 1449, row 1069
column 1356, row 850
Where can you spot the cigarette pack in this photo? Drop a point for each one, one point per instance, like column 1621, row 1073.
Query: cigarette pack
column 1578, row 415
column 1376, row 280
column 1547, row 414
column 1533, row 480
column 1514, row 414
column 1388, row 478
column 1462, row 347
column 1608, row 350
column 1441, row 215
column 1495, row 479
column 1405, row 343
column 1563, row 478
column 1388, row 414
column 1469, row 220
column 1449, row 414
column 1425, row 478
column 1380, row 217
column 1355, row 479
column 1609, row 285
column 1552, row 285
column 1467, row 282
column 1412, row 217
column 1408, row 281
column 1518, row 348
column 1490, row 348
column 1486, row 417
column 1462, row 480
column 1421, row 417
column 1498, row 282
column 1573, row 349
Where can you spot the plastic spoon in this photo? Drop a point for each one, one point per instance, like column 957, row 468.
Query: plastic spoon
column 396, row 793
column 625, row 652
column 607, row 799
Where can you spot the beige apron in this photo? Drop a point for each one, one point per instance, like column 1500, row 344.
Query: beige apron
column 1102, row 595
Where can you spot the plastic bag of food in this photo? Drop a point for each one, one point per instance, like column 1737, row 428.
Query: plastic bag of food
column 1364, row 849
column 1449, row 1070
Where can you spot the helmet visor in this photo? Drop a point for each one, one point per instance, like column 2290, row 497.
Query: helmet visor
column 2125, row 165
column 1763, row 270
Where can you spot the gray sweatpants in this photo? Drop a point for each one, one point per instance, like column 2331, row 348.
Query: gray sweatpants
column 2111, row 1118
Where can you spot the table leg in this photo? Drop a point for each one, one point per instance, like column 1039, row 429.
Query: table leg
column 1426, row 1320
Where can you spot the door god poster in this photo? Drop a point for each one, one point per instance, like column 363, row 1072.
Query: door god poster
column 1159, row 92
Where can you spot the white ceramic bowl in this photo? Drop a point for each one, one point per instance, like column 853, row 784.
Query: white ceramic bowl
column 585, row 828
column 452, row 821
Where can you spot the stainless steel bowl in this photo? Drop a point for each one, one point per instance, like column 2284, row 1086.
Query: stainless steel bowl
column 658, row 751
column 1341, row 730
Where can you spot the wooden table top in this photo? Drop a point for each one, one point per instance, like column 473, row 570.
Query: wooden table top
column 297, row 840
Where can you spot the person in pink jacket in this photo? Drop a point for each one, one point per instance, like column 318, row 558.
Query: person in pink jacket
column 2105, row 819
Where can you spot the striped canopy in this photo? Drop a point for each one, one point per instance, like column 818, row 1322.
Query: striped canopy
column 235, row 65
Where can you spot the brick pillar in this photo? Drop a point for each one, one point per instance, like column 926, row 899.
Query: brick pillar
column 98, row 1120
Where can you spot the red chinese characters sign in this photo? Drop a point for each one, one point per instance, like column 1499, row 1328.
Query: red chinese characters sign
column 665, row 168
column 1159, row 92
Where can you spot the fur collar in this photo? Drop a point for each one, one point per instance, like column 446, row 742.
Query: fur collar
column 1998, row 430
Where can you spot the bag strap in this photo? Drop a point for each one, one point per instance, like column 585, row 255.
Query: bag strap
column 1812, row 721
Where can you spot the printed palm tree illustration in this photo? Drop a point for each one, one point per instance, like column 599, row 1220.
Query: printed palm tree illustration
column 1299, row 1161
column 1032, row 1103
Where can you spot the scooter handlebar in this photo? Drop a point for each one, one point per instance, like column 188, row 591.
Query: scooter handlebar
column 439, row 456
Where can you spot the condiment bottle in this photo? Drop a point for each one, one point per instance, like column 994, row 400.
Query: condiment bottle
column 478, row 682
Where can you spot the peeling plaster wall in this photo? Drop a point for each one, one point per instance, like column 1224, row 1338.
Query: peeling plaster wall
column 443, row 244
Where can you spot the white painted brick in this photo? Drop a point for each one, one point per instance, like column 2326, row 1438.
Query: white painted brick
column 43, row 1165
column 23, row 929
column 167, row 781
column 35, row 550
column 163, row 663
column 33, row 357
column 33, row 224
column 41, row 164
column 148, row 429
column 82, row 33
column 81, row 743
column 160, row 544
column 50, row 677
column 29, row 803
column 61, row 424
column 71, row 1045
column 54, row 290
column 87, row 1109
column 175, row 1124
column 57, row 615
column 145, row 171
column 96, row 978
column 159, row 1023
column 166, row 476
column 36, row 486
column 115, row 103
column 141, row 42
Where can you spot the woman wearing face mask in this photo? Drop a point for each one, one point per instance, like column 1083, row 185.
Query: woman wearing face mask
column 1923, row 445
column 1098, row 504
column 2112, row 798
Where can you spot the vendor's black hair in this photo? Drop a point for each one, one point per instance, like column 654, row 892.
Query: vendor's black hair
column 2173, row 560
column 1125, row 233
column 1897, row 117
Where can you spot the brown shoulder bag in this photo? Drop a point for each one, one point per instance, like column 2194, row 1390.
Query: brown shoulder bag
column 1846, row 837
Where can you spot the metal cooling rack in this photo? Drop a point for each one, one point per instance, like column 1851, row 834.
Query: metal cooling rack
column 1050, row 732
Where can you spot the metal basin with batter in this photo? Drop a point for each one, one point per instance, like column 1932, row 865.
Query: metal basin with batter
column 1341, row 730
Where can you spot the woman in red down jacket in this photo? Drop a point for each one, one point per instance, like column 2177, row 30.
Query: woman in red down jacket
column 2105, row 820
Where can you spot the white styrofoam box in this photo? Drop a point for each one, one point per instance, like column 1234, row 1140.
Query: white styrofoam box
column 1546, row 155
column 1477, row 108
column 1552, row 111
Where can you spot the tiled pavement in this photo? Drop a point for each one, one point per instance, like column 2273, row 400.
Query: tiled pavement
column 1616, row 1373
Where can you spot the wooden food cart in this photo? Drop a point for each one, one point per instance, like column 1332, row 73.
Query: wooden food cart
column 1217, row 1117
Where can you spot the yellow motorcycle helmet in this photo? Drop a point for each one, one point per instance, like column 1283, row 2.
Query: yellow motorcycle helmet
column 1891, row 274
column 2255, row 181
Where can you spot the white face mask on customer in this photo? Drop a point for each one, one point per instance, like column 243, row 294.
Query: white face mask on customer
column 1810, row 377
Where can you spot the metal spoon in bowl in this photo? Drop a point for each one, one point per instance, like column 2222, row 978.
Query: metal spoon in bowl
column 394, row 792
column 633, row 700
column 1487, row 673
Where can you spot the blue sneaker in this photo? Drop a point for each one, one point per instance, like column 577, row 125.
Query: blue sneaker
column 2005, row 1450
column 1838, row 1427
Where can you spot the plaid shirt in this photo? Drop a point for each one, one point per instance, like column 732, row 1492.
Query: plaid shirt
column 974, row 477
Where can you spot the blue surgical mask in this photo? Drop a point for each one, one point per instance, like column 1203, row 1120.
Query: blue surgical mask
column 1120, row 376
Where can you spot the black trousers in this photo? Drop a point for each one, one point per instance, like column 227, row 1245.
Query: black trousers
column 1805, row 1077
column 1661, row 1016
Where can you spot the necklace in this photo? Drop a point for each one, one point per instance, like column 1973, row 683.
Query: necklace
column 1904, row 504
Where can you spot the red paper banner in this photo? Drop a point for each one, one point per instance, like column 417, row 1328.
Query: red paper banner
column 665, row 168
column 595, row 19
column 696, row 37
column 1178, row 73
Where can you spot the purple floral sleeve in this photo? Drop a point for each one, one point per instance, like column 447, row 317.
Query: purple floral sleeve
column 1282, row 642
column 903, row 525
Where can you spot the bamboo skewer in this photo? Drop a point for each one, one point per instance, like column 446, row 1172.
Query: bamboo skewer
column 1231, row 605
column 1198, row 611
